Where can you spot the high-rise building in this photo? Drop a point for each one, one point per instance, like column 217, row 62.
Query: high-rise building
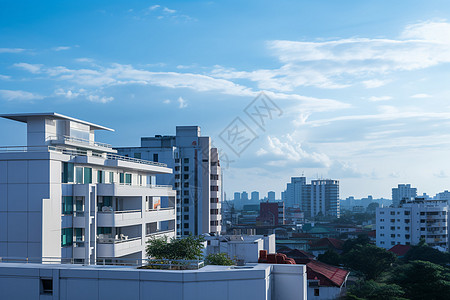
column 271, row 213
column 271, row 196
column 255, row 197
column 244, row 197
column 321, row 197
column 403, row 192
column 67, row 196
column 325, row 197
column 196, row 178
column 412, row 221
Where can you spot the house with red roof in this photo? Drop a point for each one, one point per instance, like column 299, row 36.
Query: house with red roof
column 322, row 245
column 400, row 250
column 325, row 281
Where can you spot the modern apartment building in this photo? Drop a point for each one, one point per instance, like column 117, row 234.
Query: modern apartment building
column 413, row 220
column 403, row 192
column 320, row 197
column 64, row 195
column 196, row 178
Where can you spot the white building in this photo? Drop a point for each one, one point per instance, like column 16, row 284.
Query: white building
column 67, row 196
column 240, row 247
column 196, row 178
column 325, row 197
column 74, row 282
column 403, row 192
column 407, row 224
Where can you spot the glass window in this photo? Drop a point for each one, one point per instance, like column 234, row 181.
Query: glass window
column 122, row 178
column 67, row 205
column 186, row 160
column 155, row 157
column 66, row 237
column 137, row 155
column 67, row 175
column 79, row 234
column 79, row 204
column 127, row 178
column 111, row 177
column 87, row 175
column 78, row 175
column 104, row 201
column 100, row 176
column 104, row 230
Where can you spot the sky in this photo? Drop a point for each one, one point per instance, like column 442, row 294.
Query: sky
column 350, row 90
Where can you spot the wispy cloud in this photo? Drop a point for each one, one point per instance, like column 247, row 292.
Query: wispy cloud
column 379, row 98
column 61, row 48
column 374, row 83
column 13, row 95
column 4, row 77
column 182, row 103
column 32, row 68
column 11, row 50
column 421, row 96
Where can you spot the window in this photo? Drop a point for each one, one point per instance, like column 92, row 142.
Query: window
column 214, row 188
column 122, row 178
column 79, row 204
column 67, row 175
column 87, row 175
column 66, row 237
column 422, row 229
column 100, row 176
column 177, row 160
column 381, row 227
column 393, row 220
column 392, row 227
column 46, row 286
column 316, row 292
column 214, row 177
column 67, row 205
column 186, row 160
column 381, row 212
column 79, row 236
column 214, row 211
column 186, row 233
column 381, row 220
column 186, row 208
column 177, row 184
column 186, row 225
column 407, row 236
column 104, row 230
column 186, row 193
column 155, row 157
column 127, row 178
column 392, row 243
column 137, row 155
column 407, row 213
column 392, row 235
column 177, row 168
column 382, row 234
column 186, row 169
column 392, row 213
column 382, row 243
column 214, row 200
column 111, row 177
column 103, row 201
column 214, row 223
column 177, row 176
column 422, row 213
column 186, row 200
column 406, row 228
column 186, row 217
column 78, row 175
column 186, row 176
column 186, row 184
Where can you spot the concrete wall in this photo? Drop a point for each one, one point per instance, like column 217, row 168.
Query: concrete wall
column 262, row 282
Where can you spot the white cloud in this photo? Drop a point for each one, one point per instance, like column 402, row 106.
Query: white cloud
column 84, row 59
column 182, row 103
column 4, row 77
column 61, row 48
column 166, row 101
column 11, row 50
column 168, row 10
column 96, row 98
column 374, row 83
column 153, row 7
column 68, row 93
column 12, row 95
column 32, row 68
column 441, row 174
column 379, row 98
column 420, row 96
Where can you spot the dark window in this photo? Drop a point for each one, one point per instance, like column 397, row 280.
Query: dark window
column 47, row 286
column 177, row 168
column 186, row 233
column 186, row 176
column 137, row 155
column 316, row 292
column 186, row 160
column 186, row 200
column 177, row 176
column 186, row 193
column 67, row 175
column 186, row 184
column 186, row 217
column 186, row 225
column 186, row 208
column 177, row 160
column 214, row 177
column 186, row 169
column 155, row 157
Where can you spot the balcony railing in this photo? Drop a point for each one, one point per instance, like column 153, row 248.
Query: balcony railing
column 117, row 239
column 159, row 232
column 78, row 140
column 74, row 152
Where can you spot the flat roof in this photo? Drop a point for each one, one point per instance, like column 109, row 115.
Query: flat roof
column 24, row 118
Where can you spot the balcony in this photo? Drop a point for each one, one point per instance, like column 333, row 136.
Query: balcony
column 169, row 233
column 80, row 143
column 127, row 190
column 161, row 214
column 117, row 246
column 118, row 218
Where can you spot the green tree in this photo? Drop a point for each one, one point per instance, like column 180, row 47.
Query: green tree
column 424, row 252
column 188, row 248
column 220, row 259
column 370, row 260
column 330, row 257
column 349, row 244
column 423, row 280
column 372, row 290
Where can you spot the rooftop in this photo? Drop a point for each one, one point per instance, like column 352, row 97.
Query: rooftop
column 25, row 116
column 326, row 274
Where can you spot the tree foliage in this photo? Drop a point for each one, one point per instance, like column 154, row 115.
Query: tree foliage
column 370, row 260
column 330, row 257
column 424, row 252
column 220, row 259
column 372, row 290
column 423, row 280
column 188, row 248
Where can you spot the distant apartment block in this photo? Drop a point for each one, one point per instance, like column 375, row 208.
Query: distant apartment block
column 196, row 178
column 412, row 221
column 320, row 197
column 403, row 192
column 271, row 213
column 65, row 195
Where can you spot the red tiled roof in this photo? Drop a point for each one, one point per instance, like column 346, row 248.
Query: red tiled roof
column 299, row 254
column 400, row 250
column 327, row 242
column 326, row 274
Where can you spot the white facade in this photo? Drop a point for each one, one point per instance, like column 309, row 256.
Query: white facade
column 196, row 178
column 240, row 247
column 74, row 282
column 403, row 192
column 67, row 196
column 325, row 197
column 407, row 224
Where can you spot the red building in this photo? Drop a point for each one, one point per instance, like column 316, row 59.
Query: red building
column 271, row 213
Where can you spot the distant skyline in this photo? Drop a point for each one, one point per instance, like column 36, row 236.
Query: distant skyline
column 360, row 85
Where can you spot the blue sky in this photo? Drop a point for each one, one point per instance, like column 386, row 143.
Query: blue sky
column 362, row 85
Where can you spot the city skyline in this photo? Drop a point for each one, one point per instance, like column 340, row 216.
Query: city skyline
column 357, row 86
